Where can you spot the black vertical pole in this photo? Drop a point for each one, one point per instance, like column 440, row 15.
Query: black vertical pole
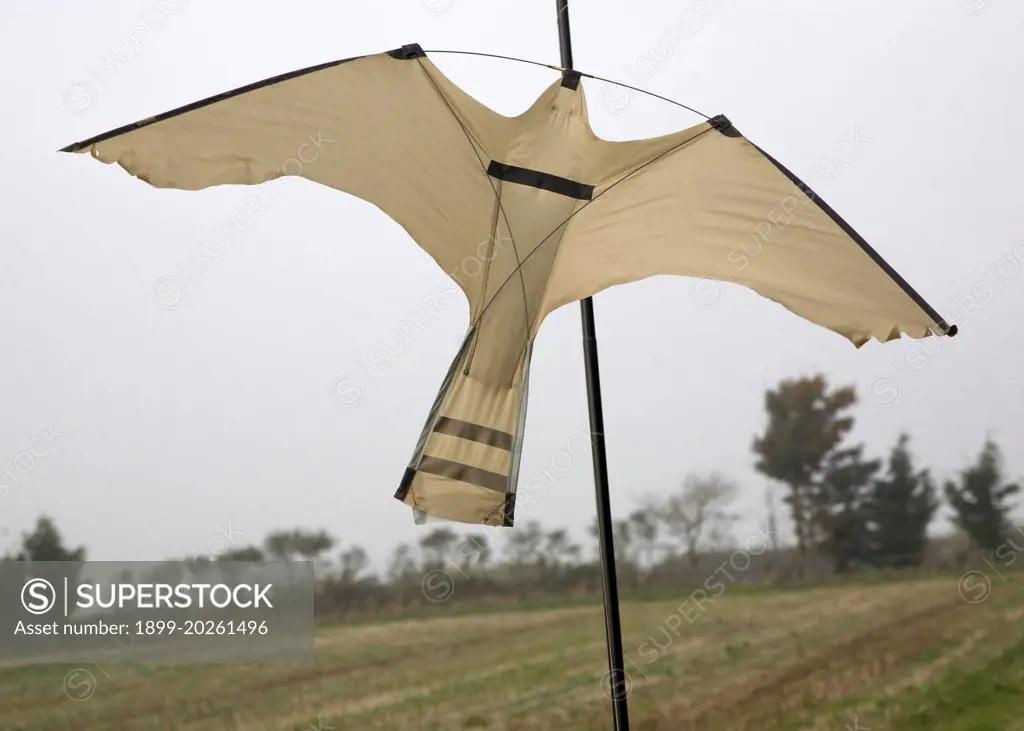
column 617, row 685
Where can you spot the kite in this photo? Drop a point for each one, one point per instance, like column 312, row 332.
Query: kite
column 553, row 213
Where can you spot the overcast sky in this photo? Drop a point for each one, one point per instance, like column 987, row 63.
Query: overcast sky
column 156, row 397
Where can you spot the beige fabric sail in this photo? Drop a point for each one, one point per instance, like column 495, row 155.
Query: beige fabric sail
column 545, row 211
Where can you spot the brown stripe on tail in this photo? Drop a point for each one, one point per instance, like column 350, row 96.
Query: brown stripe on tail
column 464, row 473
column 474, row 432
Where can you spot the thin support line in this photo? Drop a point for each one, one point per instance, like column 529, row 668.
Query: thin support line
column 473, row 144
column 487, row 270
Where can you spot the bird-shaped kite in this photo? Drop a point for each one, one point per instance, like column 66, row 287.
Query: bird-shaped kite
column 551, row 212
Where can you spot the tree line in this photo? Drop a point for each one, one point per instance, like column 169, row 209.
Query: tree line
column 848, row 511
column 847, row 506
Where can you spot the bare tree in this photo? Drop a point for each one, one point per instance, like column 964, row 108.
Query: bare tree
column 525, row 544
column 228, row 562
column 439, row 544
column 696, row 515
column 285, row 545
column 475, row 552
column 310, row 545
column 623, row 539
column 401, row 569
column 644, row 529
column 401, row 564
column 199, row 564
column 559, row 551
column 280, row 545
column 353, row 562
column 248, row 554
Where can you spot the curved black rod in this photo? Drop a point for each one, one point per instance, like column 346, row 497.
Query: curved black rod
column 581, row 73
column 498, row 55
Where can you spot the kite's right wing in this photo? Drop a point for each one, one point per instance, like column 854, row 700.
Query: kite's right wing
column 388, row 128
column 711, row 204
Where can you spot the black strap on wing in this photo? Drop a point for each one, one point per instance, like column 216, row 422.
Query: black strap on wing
column 538, row 179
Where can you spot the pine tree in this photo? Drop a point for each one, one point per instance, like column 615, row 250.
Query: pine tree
column 902, row 505
column 840, row 508
column 980, row 499
column 45, row 543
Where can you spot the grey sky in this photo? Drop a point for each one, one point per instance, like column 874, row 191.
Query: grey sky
column 181, row 413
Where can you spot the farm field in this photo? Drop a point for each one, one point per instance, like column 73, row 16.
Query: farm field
column 873, row 657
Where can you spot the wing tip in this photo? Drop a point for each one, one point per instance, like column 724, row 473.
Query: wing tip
column 860, row 339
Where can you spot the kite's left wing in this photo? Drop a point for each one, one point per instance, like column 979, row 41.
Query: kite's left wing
column 708, row 203
column 388, row 128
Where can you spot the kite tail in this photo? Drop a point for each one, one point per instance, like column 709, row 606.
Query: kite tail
column 466, row 462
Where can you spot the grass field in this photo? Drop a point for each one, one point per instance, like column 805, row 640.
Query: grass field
column 910, row 655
